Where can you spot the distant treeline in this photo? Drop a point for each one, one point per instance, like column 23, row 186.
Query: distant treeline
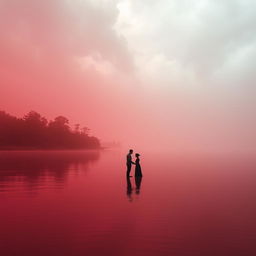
column 35, row 132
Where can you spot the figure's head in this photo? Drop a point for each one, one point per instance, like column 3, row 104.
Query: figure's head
column 131, row 151
column 137, row 154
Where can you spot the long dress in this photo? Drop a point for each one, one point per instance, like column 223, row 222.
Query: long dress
column 138, row 172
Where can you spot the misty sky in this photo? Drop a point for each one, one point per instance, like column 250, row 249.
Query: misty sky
column 172, row 74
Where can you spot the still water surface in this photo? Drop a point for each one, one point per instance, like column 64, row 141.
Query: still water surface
column 80, row 203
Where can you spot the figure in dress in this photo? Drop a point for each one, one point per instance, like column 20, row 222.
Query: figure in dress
column 138, row 172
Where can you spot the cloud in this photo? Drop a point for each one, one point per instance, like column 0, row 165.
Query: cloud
column 203, row 37
column 64, row 29
column 197, row 58
column 182, row 69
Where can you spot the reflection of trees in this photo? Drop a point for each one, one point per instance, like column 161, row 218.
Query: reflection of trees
column 32, row 166
column 34, row 131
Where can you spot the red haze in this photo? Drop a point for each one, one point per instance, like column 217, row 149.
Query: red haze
column 65, row 58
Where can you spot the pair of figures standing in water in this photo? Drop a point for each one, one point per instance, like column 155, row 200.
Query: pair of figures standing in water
column 129, row 164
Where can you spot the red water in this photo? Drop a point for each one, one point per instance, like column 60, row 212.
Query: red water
column 78, row 203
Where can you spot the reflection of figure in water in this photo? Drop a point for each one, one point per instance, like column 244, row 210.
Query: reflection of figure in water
column 129, row 163
column 129, row 188
column 138, row 183
column 138, row 172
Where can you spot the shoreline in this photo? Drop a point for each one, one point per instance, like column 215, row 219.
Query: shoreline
column 52, row 149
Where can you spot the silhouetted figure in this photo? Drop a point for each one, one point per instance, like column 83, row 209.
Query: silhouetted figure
column 129, row 188
column 138, row 172
column 129, row 163
column 138, row 184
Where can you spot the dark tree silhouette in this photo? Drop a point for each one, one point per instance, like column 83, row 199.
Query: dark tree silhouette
column 35, row 132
